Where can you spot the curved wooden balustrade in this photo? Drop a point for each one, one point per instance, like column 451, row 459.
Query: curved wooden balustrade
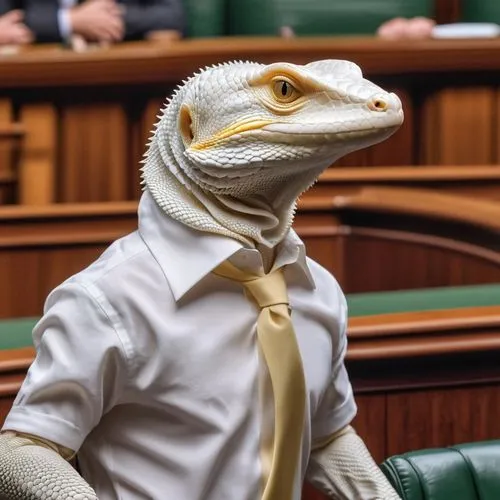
column 377, row 239
column 423, row 203
column 482, row 182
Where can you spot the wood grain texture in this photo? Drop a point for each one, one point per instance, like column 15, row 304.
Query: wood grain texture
column 442, row 417
column 376, row 239
column 150, row 62
column 8, row 175
column 459, row 126
column 475, row 181
column 37, row 178
column 94, row 142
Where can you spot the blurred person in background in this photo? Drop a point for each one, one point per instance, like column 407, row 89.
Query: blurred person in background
column 101, row 21
column 13, row 31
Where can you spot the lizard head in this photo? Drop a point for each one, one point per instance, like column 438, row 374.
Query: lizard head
column 247, row 120
column 242, row 140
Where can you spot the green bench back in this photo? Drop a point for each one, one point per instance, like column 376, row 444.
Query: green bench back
column 320, row 17
column 481, row 11
column 206, row 18
column 16, row 333
column 428, row 299
column 311, row 17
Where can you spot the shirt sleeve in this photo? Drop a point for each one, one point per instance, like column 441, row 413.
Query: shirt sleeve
column 337, row 407
column 64, row 23
column 79, row 372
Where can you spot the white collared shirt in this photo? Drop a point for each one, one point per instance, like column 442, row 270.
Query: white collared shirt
column 147, row 363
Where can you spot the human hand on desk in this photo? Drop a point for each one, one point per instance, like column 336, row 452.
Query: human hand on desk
column 98, row 21
column 12, row 29
column 400, row 28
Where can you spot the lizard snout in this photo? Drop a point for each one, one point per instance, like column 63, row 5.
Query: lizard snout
column 384, row 102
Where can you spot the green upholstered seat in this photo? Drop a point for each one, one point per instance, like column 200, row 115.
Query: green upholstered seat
column 205, row 18
column 320, row 17
column 16, row 333
column 464, row 472
column 481, row 11
column 428, row 299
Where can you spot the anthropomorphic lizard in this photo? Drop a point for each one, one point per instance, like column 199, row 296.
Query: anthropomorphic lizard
column 153, row 363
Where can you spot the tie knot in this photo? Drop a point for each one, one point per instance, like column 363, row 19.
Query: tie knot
column 268, row 290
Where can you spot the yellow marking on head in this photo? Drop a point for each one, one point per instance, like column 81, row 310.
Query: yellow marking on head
column 234, row 129
column 283, row 90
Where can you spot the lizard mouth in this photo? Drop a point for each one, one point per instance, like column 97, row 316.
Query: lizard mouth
column 324, row 133
column 370, row 124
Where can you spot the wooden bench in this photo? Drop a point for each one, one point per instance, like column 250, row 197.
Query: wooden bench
column 377, row 239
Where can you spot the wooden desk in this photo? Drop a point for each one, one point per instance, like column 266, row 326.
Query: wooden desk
column 87, row 116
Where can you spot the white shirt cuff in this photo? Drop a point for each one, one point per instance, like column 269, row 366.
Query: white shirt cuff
column 64, row 23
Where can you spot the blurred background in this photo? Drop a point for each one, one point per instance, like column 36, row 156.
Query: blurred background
column 410, row 227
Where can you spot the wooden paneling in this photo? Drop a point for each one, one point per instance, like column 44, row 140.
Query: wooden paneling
column 40, row 248
column 390, row 238
column 459, row 126
column 94, row 140
column 377, row 239
column 482, row 182
column 105, row 101
column 441, row 417
column 37, row 177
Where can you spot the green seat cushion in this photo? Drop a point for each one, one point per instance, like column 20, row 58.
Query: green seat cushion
column 16, row 333
column 428, row 299
column 320, row 17
column 463, row 472
column 481, row 11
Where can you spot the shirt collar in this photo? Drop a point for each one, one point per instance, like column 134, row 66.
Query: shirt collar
column 186, row 255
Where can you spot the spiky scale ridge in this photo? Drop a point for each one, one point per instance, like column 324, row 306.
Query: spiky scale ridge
column 246, row 187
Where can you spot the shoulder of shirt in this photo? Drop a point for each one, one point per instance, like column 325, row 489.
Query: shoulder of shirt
column 115, row 261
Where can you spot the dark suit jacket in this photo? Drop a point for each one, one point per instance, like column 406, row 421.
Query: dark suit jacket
column 141, row 17
column 7, row 5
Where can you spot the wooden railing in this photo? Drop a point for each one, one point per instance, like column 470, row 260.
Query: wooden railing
column 377, row 239
column 87, row 116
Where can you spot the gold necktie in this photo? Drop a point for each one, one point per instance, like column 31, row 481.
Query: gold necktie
column 282, row 356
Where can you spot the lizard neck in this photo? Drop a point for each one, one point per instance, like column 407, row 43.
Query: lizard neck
column 262, row 219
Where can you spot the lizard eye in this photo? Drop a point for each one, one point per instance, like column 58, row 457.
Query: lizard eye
column 284, row 91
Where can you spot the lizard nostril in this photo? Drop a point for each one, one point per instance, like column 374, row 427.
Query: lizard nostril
column 378, row 104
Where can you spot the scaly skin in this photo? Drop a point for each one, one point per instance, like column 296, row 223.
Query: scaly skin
column 239, row 142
